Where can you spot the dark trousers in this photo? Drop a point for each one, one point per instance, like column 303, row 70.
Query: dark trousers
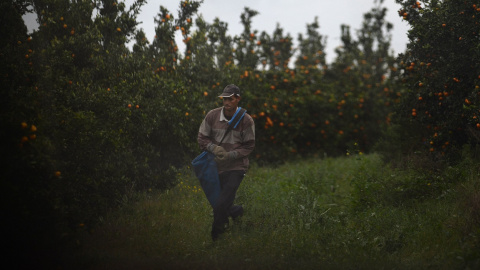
column 229, row 183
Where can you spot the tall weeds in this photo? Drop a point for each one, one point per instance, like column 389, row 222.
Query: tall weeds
column 351, row 213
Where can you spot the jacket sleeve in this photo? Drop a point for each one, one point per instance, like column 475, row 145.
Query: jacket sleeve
column 248, row 138
column 205, row 135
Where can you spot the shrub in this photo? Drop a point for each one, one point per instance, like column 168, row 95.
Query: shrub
column 417, row 180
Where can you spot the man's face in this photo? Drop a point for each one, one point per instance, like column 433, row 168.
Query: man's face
column 230, row 104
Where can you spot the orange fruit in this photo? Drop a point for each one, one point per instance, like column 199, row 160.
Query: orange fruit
column 24, row 125
column 129, row 105
column 58, row 173
column 269, row 121
column 33, row 128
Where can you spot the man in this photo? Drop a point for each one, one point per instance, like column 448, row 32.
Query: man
column 231, row 156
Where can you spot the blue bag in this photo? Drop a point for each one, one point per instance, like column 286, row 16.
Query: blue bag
column 206, row 171
column 205, row 166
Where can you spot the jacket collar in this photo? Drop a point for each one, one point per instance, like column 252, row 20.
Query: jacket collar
column 222, row 116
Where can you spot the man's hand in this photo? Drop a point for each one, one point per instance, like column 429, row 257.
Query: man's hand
column 226, row 157
column 216, row 150
column 219, row 152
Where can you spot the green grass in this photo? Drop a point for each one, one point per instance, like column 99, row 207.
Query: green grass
column 345, row 213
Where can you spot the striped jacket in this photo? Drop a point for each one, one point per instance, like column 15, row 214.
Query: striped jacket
column 241, row 139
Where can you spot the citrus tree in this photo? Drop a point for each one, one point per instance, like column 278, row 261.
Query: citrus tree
column 91, row 120
column 442, row 73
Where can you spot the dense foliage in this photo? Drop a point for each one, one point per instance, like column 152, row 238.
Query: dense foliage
column 441, row 70
column 93, row 111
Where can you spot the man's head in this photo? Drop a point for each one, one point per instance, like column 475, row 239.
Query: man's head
column 231, row 97
column 230, row 90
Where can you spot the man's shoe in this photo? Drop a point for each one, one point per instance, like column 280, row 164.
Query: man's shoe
column 217, row 231
column 215, row 236
column 236, row 211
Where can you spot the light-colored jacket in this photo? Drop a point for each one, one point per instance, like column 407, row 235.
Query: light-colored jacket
column 241, row 139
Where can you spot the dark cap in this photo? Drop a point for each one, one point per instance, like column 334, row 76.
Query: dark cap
column 230, row 90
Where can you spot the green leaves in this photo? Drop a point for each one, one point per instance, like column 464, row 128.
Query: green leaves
column 442, row 56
